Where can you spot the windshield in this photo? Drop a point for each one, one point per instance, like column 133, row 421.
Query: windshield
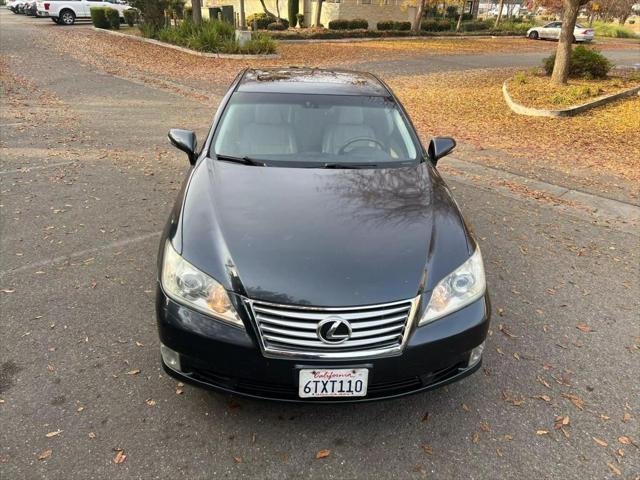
column 314, row 130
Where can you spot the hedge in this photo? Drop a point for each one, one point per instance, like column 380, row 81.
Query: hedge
column 436, row 25
column 131, row 17
column 393, row 25
column 584, row 63
column 113, row 17
column 262, row 20
column 355, row 24
column 99, row 17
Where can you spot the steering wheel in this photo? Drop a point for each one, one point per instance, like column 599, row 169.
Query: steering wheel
column 360, row 139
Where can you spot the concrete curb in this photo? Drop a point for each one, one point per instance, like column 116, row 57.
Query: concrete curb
column 391, row 39
column 566, row 112
column 232, row 56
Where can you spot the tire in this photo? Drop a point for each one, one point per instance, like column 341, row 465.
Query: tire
column 54, row 19
column 534, row 35
column 67, row 17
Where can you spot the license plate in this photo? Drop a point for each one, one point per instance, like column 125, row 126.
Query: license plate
column 347, row 382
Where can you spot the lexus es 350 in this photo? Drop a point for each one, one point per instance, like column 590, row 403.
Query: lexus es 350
column 314, row 252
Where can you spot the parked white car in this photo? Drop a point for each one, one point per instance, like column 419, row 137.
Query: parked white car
column 66, row 12
column 552, row 31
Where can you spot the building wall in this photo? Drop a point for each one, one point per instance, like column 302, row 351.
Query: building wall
column 373, row 11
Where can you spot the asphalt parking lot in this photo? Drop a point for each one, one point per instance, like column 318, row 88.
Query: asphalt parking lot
column 86, row 182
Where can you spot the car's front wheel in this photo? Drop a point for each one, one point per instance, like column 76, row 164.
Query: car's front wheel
column 67, row 17
column 533, row 35
column 54, row 19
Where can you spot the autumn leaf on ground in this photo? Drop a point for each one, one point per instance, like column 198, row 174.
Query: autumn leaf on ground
column 561, row 421
column 576, row 400
column 484, row 426
column 546, row 398
column 465, row 407
column 46, row 454
column 584, row 328
column 475, row 438
column 543, row 382
column 120, row 456
column 542, row 432
column 425, row 417
column 323, row 454
column 53, row 434
column 504, row 330
column 179, row 389
column 8, row 290
column 626, row 417
column 427, row 449
column 135, row 371
column 237, row 459
column 602, row 443
column 150, row 401
column 614, row 469
column 625, row 440
column 92, row 435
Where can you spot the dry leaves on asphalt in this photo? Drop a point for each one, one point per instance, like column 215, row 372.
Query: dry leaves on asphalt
column 323, row 454
column 46, row 454
column 120, row 456
column 584, row 328
column 53, row 434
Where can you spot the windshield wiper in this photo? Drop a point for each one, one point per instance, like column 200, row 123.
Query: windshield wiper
column 245, row 160
column 349, row 165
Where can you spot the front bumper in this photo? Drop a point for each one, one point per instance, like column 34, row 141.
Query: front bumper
column 222, row 357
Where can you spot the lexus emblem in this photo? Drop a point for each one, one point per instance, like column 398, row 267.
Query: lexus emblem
column 334, row 330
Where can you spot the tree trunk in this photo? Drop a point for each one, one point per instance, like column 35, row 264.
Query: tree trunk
column 266, row 10
column 499, row 17
column 563, row 52
column 591, row 19
column 243, row 18
column 196, row 6
column 460, row 18
column 318, row 14
column 278, row 11
column 417, row 21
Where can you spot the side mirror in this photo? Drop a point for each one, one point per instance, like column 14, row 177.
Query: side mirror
column 184, row 140
column 439, row 147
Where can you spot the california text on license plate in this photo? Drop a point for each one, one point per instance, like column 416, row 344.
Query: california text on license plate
column 347, row 382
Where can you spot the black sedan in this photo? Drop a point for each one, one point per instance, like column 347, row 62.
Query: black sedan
column 314, row 253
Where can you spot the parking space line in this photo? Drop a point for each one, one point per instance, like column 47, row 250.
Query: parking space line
column 81, row 253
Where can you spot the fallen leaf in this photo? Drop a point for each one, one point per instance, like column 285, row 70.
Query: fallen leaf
column 8, row 290
column 425, row 417
column 465, row 407
column 498, row 452
column 584, row 328
column 484, row 426
column 427, row 449
column 150, row 401
column 120, row 456
column 542, row 432
column 546, row 398
column 620, row 452
column 53, row 434
column 44, row 455
column 624, row 440
column 237, row 459
column 139, row 344
column 614, row 469
column 602, row 443
column 475, row 438
column 577, row 401
column 323, row 454
column 543, row 382
column 504, row 330
column 92, row 435
column 135, row 371
column 626, row 417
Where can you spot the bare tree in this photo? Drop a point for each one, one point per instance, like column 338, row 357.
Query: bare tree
column 196, row 7
column 417, row 21
column 563, row 52
column 318, row 13
column 499, row 17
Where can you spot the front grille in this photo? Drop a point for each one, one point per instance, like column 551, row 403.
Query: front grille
column 288, row 330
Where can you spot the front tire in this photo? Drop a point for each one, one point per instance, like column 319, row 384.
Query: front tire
column 54, row 19
column 534, row 35
column 67, row 17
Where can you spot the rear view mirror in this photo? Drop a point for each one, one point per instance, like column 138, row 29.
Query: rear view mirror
column 440, row 147
column 184, row 140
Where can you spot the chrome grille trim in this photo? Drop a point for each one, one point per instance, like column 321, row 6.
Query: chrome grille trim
column 287, row 331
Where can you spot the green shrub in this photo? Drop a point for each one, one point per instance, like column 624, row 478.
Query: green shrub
column 99, row 17
column 113, row 17
column 131, row 17
column 513, row 27
column 610, row 30
column 631, row 22
column 357, row 23
column 436, row 25
column 276, row 26
column 339, row 25
column 151, row 13
column 294, row 8
column 474, row 26
column 393, row 25
column 451, row 12
column 584, row 63
column 210, row 36
column 263, row 20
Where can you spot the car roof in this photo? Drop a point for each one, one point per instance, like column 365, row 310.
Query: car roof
column 313, row 81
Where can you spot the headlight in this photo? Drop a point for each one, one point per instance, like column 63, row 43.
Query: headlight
column 186, row 284
column 461, row 287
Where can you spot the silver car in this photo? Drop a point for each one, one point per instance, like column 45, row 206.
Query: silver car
column 552, row 31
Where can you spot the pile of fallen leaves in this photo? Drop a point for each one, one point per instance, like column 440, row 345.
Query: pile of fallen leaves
column 534, row 90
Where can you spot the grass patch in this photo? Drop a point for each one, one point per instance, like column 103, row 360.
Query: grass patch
column 211, row 36
column 535, row 90
column 612, row 30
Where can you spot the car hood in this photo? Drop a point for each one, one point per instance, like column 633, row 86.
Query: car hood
column 313, row 236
